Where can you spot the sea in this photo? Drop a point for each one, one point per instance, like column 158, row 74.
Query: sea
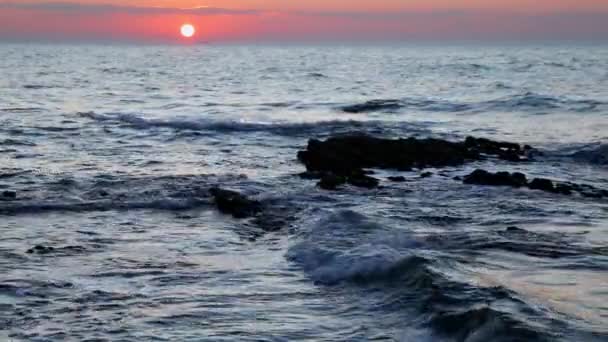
column 108, row 231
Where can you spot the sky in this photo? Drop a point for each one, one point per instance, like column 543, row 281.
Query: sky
column 306, row 20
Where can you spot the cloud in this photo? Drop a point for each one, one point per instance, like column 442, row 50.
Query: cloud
column 103, row 8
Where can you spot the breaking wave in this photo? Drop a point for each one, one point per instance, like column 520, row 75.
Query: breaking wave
column 285, row 129
column 348, row 249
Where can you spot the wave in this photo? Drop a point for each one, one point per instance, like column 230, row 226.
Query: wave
column 346, row 248
column 526, row 102
column 595, row 155
column 110, row 205
column 198, row 126
column 536, row 102
column 393, row 105
column 591, row 153
column 14, row 142
column 550, row 245
column 22, row 110
column 115, row 193
column 39, row 86
column 335, row 249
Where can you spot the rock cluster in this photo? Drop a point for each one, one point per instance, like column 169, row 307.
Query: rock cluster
column 517, row 180
column 343, row 159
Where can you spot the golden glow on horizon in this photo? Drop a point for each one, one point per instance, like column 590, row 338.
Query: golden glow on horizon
column 187, row 30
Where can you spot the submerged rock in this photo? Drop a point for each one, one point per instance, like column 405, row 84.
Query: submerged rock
column 234, row 203
column 373, row 105
column 517, row 180
column 60, row 251
column 397, row 179
column 267, row 216
column 8, row 195
column 542, row 184
column 426, row 175
column 40, row 249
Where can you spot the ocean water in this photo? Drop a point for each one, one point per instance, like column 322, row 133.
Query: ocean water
column 111, row 151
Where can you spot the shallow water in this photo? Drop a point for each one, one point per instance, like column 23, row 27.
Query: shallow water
column 111, row 151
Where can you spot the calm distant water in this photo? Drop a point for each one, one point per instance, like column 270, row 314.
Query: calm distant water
column 111, row 150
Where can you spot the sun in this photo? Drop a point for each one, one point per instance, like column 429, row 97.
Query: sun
column 187, row 30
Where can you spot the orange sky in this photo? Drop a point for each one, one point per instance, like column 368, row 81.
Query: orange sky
column 535, row 6
column 285, row 20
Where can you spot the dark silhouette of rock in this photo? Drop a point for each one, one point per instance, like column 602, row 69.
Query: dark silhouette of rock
column 331, row 182
column 426, row 175
column 564, row 188
column 363, row 181
column 482, row 177
column 517, row 179
column 60, row 251
column 234, row 203
column 503, row 150
column 311, row 175
column 343, row 155
column 268, row 216
column 514, row 229
column 9, row 195
column 397, row 179
column 40, row 249
column 542, row 184
column 373, row 105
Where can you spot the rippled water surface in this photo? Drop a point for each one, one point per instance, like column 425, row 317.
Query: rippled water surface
column 111, row 151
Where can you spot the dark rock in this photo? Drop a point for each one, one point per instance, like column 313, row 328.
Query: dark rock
column 397, row 179
column 516, row 179
column 564, row 189
column 311, row 175
column 373, row 106
column 9, row 194
column 363, row 181
column 60, row 251
column 342, row 155
column 426, row 175
column 234, row 203
column 503, row 150
column 482, row 177
column 514, row 229
column 331, row 181
column 542, row 184
column 592, row 194
column 40, row 249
